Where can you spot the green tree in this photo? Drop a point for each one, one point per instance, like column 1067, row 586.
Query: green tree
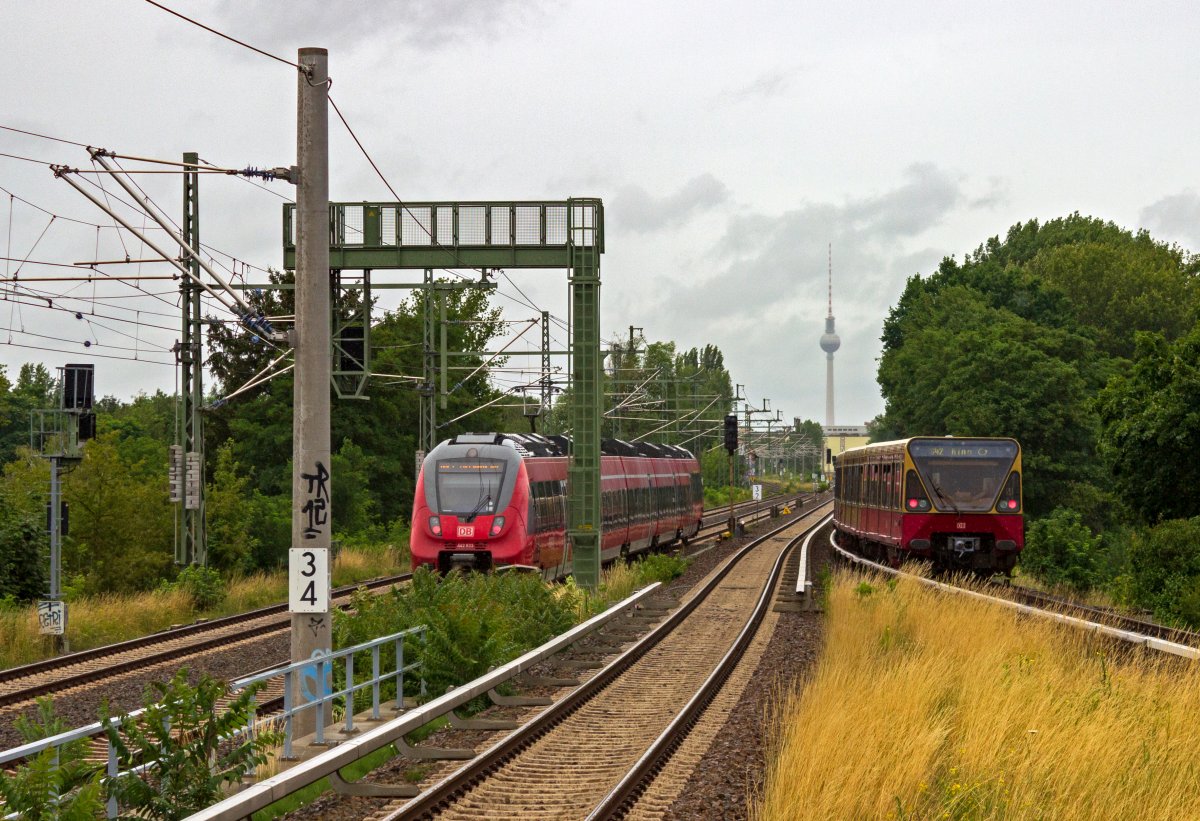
column 229, row 510
column 258, row 423
column 23, row 558
column 1151, row 428
column 122, row 526
column 968, row 369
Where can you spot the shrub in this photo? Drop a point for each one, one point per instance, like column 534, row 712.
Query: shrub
column 475, row 621
column 1062, row 551
column 54, row 784
column 1165, row 569
column 203, row 585
column 660, row 567
column 185, row 738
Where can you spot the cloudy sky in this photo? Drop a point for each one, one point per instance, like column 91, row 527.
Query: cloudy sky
column 731, row 144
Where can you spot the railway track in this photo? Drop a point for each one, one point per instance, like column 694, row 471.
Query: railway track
column 20, row 686
column 1128, row 628
column 1100, row 615
column 597, row 750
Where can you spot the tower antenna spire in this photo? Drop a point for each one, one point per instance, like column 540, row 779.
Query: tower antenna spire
column 831, row 279
column 830, row 342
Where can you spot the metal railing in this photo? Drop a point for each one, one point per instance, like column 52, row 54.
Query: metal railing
column 320, row 668
column 317, row 668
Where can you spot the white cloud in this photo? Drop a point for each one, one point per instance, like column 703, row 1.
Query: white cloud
column 1175, row 218
column 637, row 210
column 424, row 24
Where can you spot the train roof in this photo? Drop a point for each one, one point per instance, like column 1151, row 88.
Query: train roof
column 903, row 443
column 535, row 444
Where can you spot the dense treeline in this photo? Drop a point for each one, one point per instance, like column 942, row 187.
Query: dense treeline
column 122, row 526
column 1080, row 339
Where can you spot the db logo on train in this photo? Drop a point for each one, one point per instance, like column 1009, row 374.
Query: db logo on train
column 466, row 530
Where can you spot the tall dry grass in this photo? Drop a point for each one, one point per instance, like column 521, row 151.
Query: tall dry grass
column 104, row 619
column 930, row 706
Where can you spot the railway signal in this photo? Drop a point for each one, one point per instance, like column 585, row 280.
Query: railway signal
column 731, row 433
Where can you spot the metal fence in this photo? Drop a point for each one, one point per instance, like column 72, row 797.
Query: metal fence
column 317, row 671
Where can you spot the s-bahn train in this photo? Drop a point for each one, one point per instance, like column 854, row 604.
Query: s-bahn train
column 485, row 500
column 953, row 501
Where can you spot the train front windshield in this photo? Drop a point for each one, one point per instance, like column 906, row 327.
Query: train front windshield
column 469, row 487
column 964, row 474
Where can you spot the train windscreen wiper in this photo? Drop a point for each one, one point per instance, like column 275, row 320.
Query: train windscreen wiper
column 942, row 495
column 470, row 517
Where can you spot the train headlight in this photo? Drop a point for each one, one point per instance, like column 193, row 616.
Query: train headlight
column 435, row 525
column 497, row 525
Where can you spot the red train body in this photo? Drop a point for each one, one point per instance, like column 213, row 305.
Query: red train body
column 953, row 501
column 494, row 499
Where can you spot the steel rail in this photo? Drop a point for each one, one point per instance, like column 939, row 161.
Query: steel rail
column 146, row 642
column 1104, row 615
column 1151, row 642
column 428, row 802
column 619, row 800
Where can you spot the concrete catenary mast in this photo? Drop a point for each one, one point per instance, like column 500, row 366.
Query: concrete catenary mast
column 830, row 342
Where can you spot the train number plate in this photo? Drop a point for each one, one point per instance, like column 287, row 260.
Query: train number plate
column 466, row 530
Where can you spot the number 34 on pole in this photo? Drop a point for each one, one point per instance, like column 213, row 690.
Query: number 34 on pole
column 308, row 580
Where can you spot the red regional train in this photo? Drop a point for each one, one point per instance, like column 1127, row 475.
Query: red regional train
column 953, row 501
column 485, row 500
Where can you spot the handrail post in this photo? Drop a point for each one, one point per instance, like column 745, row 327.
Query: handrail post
column 375, row 682
column 318, row 704
column 400, row 673
column 287, row 713
column 110, row 807
column 424, row 655
column 350, row 693
column 252, row 717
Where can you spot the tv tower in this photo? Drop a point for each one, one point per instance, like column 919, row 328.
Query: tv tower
column 830, row 342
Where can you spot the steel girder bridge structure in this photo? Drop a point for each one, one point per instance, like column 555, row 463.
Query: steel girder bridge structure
column 562, row 234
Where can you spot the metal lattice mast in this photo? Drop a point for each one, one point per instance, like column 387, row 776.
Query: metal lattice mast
column 583, row 504
column 428, row 348
column 191, row 544
column 545, row 364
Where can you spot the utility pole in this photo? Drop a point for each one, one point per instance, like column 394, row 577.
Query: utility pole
column 308, row 560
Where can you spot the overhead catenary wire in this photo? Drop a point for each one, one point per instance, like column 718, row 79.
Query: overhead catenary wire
column 231, row 39
column 42, row 136
column 12, row 295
